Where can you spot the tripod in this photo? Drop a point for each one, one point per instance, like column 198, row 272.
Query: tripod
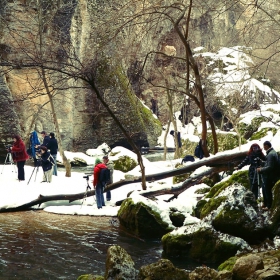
column 87, row 189
column 38, row 164
column 9, row 160
column 258, row 178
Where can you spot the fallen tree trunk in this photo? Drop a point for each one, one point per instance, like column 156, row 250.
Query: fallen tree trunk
column 219, row 163
column 176, row 190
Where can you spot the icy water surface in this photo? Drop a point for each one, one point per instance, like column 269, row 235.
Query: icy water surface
column 37, row 245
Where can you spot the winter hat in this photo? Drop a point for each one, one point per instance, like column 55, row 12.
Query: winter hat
column 43, row 148
column 267, row 143
column 97, row 161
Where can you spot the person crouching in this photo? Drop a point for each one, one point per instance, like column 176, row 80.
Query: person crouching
column 47, row 163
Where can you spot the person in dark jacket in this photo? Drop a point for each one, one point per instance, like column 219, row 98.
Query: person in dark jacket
column 46, row 139
column 110, row 166
column 198, row 152
column 269, row 174
column 97, row 184
column 254, row 158
column 33, row 143
column 47, row 163
column 20, row 156
column 53, row 146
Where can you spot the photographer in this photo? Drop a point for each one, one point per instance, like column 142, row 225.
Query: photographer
column 20, row 155
column 254, row 158
column 33, row 143
column 47, row 163
column 269, row 174
column 53, row 147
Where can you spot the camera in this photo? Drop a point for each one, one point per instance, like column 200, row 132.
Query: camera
column 87, row 177
column 8, row 147
column 257, row 161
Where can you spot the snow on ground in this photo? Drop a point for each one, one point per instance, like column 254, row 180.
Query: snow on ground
column 14, row 193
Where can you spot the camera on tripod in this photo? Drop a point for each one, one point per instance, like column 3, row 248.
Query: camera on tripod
column 8, row 147
column 86, row 177
column 257, row 161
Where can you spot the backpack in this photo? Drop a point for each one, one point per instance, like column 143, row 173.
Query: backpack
column 188, row 158
column 104, row 176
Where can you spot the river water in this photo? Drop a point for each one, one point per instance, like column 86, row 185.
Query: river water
column 41, row 245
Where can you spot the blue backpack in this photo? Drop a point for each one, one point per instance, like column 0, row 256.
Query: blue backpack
column 104, row 176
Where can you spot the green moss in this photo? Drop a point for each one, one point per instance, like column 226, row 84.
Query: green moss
column 90, row 277
column 124, row 164
column 275, row 209
column 180, row 178
column 202, row 190
column 199, row 206
column 263, row 132
column 211, row 205
column 226, row 141
column 228, row 264
column 238, row 177
column 248, row 130
column 188, row 147
column 141, row 220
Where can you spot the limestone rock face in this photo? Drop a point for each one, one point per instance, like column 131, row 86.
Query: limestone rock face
column 246, row 266
column 9, row 123
column 162, row 270
column 141, row 220
column 119, row 265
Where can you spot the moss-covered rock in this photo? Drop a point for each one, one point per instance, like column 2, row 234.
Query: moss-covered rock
column 177, row 218
column 141, row 220
column 245, row 266
column 211, row 205
column 200, row 244
column 247, row 130
column 119, row 264
column 240, row 177
column 238, row 215
column 275, row 210
column 263, row 132
column 198, row 208
column 162, row 270
column 124, row 163
column 228, row 264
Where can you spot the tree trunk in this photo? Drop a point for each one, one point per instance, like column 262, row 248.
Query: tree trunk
column 218, row 164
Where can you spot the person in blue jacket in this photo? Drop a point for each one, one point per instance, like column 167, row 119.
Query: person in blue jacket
column 33, row 143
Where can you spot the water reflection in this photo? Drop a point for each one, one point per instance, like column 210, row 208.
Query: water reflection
column 39, row 245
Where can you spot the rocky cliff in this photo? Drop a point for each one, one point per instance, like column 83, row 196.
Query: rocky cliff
column 80, row 30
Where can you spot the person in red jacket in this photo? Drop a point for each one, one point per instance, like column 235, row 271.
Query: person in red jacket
column 97, row 184
column 20, row 155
